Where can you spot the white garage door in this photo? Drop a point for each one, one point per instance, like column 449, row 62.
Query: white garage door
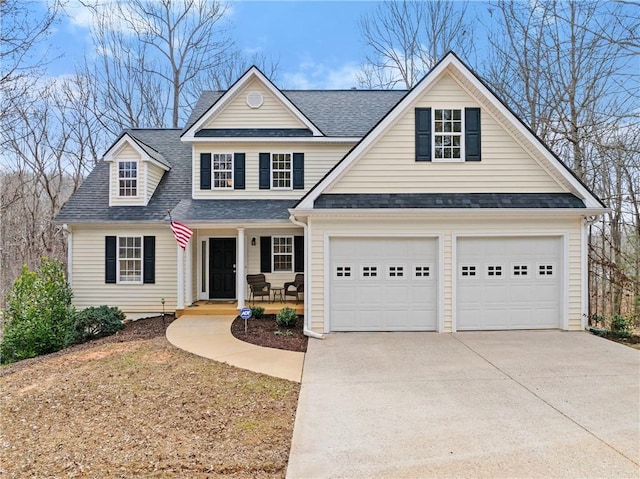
column 508, row 283
column 383, row 284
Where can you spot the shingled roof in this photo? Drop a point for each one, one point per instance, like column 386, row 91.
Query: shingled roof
column 232, row 210
column 91, row 202
column 338, row 113
column 448, row 200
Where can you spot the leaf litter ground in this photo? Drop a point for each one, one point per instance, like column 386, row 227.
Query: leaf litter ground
column 132, row 405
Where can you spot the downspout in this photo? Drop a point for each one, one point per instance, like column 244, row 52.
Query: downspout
column 306, row 329
column 67, row 228
column 585, row 277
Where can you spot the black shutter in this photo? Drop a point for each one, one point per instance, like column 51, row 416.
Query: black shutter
column 472, row 134
column 423, row 134
column 205, row 171
column 265, row 254
column 238, row 171
column 298, row 171
column 265, row 171
column 298, row 248
column 109, row 259
column 149, row 260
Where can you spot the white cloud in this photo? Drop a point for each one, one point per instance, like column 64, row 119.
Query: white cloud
column 79, row 15
column 312, row 75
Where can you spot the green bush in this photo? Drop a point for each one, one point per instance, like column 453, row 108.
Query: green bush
column 38, row 318
column 620, row 326
column 286, row 318
column 97, row 322
column 257, row 311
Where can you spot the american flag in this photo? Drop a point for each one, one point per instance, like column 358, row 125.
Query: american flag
column 181, row 232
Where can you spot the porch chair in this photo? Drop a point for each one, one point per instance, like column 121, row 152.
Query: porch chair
column 297, row 287
column 258, row 286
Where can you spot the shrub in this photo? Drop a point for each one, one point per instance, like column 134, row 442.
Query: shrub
column 38, row 318
column 597, row 319
column 257, row 311
column 620, row 326
column 97, row 322
column 286, row 318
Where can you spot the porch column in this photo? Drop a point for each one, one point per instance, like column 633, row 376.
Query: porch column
column 180, row 259
column 240, row 283
column 189, row 273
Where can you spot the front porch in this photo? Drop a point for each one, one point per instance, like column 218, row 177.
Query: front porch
column 212, row 270
column 220, row 308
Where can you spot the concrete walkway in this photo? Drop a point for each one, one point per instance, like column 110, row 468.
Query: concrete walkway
column 210, row 337
column 509, row 404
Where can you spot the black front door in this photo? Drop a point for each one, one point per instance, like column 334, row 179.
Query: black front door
column 222, row 268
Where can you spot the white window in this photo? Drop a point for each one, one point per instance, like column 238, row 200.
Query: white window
column 468, row 271
column 282, row 253
column 494, row 270
column 447, row 135
column 127, row 178
column 396, row 271
column 281, row 171
column 369, row 271
column 422, row 271
column 343, row 271
column 545, row 270
column 520, row 270
column 222, row 170
column 130, row 259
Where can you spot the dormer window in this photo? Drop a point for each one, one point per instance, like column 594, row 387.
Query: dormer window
column 127, row 178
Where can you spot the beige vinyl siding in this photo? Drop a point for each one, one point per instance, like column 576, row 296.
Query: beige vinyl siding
column 127, row 153
column 89, row 288
column 447, row 229
column 154, row 175
column 272, row 114
column 389, row 165
column 318, row 159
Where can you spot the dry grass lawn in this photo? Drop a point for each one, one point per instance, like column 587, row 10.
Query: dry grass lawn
column 142, row 408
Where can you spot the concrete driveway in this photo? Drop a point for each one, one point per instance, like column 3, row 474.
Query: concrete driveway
column 477, row 404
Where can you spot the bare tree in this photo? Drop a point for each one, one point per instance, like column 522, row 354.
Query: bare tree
column 235, row 64
column 406, row 38
column 153, row 54
column 23, row 53
column 35, row 185
column 578, row 89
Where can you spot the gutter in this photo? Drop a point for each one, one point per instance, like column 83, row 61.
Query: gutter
column 306, row 329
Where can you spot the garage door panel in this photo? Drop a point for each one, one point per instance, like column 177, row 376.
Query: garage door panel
column 508, row 283
column 369, row 294
column 386, row 291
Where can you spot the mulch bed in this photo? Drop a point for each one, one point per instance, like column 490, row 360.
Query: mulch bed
column 262, row 332
column 632, row 340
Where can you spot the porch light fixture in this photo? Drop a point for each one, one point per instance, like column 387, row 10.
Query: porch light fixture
column 253, row 241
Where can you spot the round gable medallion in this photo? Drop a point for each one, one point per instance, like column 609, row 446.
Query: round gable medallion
column 254, row 99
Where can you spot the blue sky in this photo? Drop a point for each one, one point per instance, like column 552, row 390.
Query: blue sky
column 317, row 43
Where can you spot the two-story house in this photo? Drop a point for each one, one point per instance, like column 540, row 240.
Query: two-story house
column 433, row 209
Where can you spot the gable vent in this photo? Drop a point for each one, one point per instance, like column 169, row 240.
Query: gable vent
column 254, row 99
